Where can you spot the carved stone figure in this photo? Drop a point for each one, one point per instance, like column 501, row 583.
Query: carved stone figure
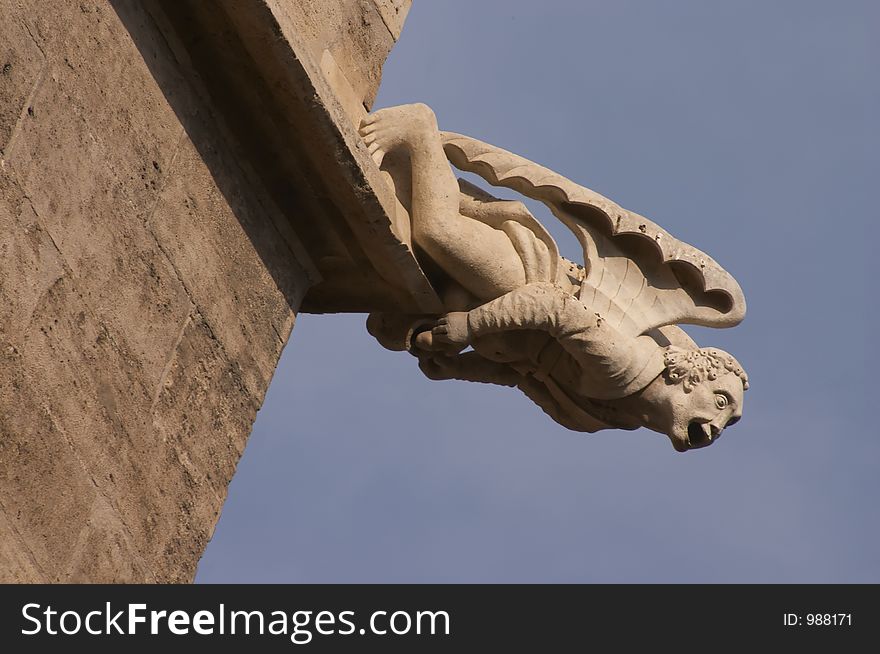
column 595, row 346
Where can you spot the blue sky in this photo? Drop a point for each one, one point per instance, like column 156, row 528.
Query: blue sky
column 748, row 129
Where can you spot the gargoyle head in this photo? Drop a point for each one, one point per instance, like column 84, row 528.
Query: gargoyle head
column 699, row 393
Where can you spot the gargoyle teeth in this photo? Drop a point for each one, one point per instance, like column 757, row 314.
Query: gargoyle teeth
column 707, row 429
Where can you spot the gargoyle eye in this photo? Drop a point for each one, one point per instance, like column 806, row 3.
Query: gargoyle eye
column 721, row 401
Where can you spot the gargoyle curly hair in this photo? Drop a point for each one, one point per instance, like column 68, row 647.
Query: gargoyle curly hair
column 691, row 367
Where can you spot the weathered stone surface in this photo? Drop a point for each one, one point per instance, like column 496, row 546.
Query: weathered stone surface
column 394, row 14
column 196, row 227
column 21, row 66
column 103, row 551
column 358, row 34
column 167, row 179
column 150, row 277
column 16, row 562
column 47, row 517
column 282, row 115
column 202, row 408
column 99, row 213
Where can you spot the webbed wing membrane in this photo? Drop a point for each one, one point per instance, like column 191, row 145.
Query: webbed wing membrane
column 639, row 277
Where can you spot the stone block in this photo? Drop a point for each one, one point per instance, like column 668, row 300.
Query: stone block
column 45, row 492
column 21, row 66
column 394, row 13
column 17, row 565
column 222, row 245
column 92, row 195
column 104, row 552
column 203, row 409
column 353, row 31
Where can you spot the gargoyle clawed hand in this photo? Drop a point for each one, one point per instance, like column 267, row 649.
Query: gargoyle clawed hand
column 449, row 334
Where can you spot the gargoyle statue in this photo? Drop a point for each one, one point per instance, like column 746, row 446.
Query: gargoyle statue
column 597, row 346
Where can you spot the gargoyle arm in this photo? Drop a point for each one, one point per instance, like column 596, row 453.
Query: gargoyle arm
column 473, row 367
column 546, row 307
column 612, row 364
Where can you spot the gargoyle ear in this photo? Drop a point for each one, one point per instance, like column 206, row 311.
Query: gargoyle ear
column 692, row 381
column 680, row 368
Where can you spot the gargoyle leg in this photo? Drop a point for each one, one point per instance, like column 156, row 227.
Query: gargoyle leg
column 480, row 258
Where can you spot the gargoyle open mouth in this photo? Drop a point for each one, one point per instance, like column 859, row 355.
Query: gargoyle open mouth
column 699, row 434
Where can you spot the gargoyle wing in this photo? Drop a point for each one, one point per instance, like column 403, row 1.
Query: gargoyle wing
column 639, row 277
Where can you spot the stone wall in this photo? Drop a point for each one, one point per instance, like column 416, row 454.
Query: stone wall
column 148, row 284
